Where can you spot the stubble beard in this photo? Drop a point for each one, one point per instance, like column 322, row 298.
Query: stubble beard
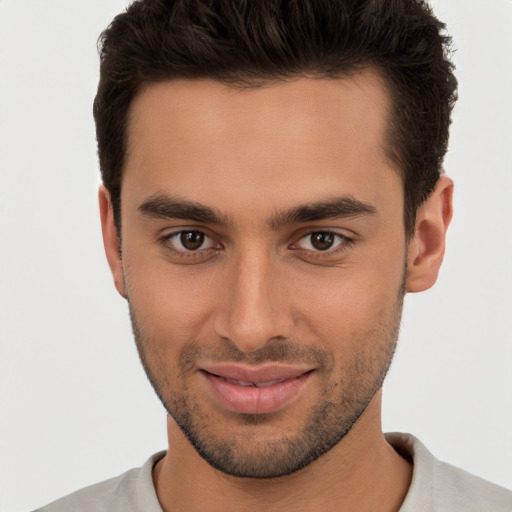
column 345, row 399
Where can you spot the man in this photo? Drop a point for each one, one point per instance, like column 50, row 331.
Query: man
column 272, row 188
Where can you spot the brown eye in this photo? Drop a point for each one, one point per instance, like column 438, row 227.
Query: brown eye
column 192, row 240
column 189, row 241
column 321, row 241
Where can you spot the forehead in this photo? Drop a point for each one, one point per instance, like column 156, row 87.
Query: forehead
column 285, row 140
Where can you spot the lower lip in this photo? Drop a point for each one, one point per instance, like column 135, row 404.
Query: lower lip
column 255, row 400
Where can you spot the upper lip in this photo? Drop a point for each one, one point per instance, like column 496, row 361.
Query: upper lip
column 256, row 374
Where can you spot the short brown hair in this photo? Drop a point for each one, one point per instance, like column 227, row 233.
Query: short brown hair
column 246, row 43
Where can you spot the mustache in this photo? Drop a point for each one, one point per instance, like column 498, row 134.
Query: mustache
column 276, row 350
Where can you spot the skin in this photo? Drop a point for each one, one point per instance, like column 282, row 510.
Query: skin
column 258, row 290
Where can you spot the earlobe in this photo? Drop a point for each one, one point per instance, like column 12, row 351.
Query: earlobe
column 426, row 248
column 111, row 240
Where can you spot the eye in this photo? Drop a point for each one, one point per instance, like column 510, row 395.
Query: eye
column 321, row 241
column 190, row 241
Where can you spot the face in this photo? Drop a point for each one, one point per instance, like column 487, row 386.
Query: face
column 263, row 254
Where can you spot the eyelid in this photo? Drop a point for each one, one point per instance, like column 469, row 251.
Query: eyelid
column 344, row 242
column 167, row 241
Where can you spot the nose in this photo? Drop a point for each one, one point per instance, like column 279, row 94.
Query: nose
column 254, row 309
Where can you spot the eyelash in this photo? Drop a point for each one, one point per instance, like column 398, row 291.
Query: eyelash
column 166, row 241
column 345, row 243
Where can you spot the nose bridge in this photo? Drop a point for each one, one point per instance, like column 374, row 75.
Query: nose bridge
column 253, row 312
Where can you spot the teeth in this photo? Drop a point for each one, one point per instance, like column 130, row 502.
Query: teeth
column 253, row 384
column 240, row 383
column 266, row 384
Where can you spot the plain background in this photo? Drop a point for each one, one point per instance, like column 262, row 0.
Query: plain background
column 76, row 407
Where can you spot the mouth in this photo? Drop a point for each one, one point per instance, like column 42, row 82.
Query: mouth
column 251, row 384
column 255, row 390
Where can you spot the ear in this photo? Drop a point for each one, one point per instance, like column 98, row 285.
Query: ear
column 111, row 240
column 426, row 248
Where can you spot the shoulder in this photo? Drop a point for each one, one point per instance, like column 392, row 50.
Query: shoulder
column 131, row 491
column 439, row 486
column 457, row 489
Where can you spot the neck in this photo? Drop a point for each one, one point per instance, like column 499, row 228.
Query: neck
column 362, row 472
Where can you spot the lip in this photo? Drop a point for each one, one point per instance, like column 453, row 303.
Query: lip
column 255, row 389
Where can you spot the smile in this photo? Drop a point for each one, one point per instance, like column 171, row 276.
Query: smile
column 253, row 384
column 255, row 390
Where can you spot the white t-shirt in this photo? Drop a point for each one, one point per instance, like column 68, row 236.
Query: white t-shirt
column 435, row 487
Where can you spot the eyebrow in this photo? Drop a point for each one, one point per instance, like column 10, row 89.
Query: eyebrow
column 332, row 208
column 164, row 206
column 168, row 207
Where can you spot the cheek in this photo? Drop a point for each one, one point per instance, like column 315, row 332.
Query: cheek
column 170, row 302
column 349, row 305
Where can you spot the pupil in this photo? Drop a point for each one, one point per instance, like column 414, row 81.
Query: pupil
column 192, row 240
column 322, row 241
